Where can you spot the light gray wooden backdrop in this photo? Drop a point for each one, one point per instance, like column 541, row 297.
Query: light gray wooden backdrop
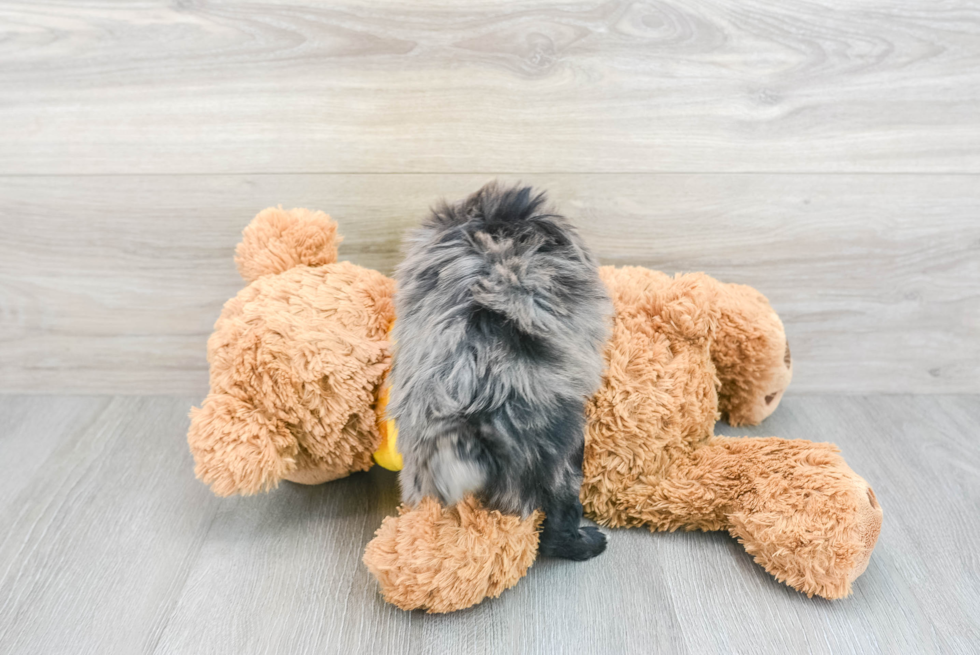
column 824, row 151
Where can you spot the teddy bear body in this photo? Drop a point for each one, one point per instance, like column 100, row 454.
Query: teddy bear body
column 652, row 458
column 298, row 360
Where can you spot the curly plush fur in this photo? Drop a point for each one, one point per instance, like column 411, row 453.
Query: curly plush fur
column 501, row 322
column 448, row 558
column 296, row 360
column 679, row 347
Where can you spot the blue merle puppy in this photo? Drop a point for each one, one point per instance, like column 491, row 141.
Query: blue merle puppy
column 501, row 323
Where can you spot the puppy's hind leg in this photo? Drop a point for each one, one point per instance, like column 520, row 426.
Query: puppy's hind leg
column 561, row 535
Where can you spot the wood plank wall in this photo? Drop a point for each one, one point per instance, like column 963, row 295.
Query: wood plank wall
column 826, row 152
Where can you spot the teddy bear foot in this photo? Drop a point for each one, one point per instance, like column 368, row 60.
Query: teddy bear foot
column 312, row 476
column 443, row 559
column 869, row 527
column 823, row 547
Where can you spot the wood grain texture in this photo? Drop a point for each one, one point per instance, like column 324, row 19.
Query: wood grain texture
column 483, row 86
column 112, row 284
column 97, row 543
column 110, row 546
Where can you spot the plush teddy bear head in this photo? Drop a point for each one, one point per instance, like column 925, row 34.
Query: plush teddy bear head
column 297, row 359
column 751, row 356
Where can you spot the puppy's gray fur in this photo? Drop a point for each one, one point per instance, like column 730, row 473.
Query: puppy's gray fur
column 498, row 343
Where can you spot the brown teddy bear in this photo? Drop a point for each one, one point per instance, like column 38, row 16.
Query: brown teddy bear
column 298, row 361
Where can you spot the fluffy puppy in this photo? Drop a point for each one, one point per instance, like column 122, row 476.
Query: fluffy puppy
column 501, row 321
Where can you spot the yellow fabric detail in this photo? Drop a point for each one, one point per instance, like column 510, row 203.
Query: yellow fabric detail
column 387, row 455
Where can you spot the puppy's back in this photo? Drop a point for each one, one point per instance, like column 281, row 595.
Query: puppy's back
column 500, row 323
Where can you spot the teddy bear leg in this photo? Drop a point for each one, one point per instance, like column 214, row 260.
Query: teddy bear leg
column 237, row 448
column 309, row 471
column 796, row 506
column 751, row 354
column 443, row 559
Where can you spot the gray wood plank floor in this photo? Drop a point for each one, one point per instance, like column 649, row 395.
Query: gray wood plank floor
column 109, row 545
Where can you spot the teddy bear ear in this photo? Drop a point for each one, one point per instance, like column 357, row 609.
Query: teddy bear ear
column 278, row 239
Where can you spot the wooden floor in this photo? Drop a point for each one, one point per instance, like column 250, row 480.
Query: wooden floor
column 111, row 546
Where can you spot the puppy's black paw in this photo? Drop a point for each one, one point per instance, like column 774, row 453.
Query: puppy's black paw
column 586, row 544
column 593, row 541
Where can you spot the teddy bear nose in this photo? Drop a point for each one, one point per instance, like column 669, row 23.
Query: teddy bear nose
column 787, row 359
column 771, row 397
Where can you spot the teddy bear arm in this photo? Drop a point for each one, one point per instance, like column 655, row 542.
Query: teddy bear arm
column 238, row 448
